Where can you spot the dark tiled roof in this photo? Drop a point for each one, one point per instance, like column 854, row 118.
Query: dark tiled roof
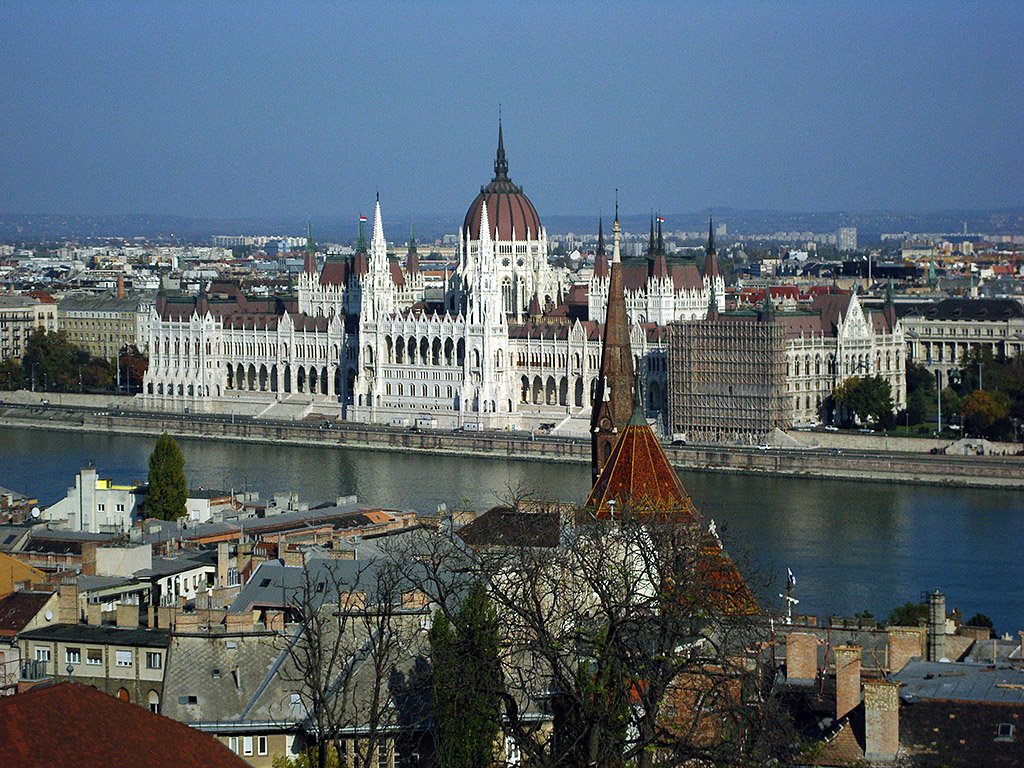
column 100, row 635
column 504, row 526
column 960, row 733
column 18, row 609
column 993, row 310
column 70, row 724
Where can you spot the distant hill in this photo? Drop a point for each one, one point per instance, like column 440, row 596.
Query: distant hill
column 184, row 229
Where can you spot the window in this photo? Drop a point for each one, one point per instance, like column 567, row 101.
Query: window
column 94, row 656
column 124, row 658
column 382, row 756
column 120, row 507
column 73, row 655
column 101, row 507
column 247, row 745
column 261, row 745
column 233, row 744
column 42, row 654
column 188, row 699
column 154, row 660
column 1004, row 732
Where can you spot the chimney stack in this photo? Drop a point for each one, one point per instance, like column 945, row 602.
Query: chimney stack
column 801, row 657
column 847, row 679
column 936, row 626
column 905, row 643
column 881, row 720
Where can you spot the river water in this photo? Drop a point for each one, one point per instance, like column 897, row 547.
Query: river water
column 852, row 545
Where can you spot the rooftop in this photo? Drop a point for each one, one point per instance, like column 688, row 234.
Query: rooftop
column 100, row 635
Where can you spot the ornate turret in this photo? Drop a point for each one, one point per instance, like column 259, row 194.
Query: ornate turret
column 412, row 258
column 889, row 308
column 309, row 258
column 359, row 264
column 612, row 395
column 659, row 265
column 600, row 259
column 711, row 255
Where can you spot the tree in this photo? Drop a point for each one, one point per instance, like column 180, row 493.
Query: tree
column 982, row 409
column 865, row 399
column 908, row 615
column 168, row 491
column 642, row 640
column 980, row 620
column 11, row 376
column 920, row 379
column 466, row 683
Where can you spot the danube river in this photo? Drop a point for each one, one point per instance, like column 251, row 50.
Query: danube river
column 852, row 545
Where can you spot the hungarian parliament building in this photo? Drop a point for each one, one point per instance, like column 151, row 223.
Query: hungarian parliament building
column 514, row 343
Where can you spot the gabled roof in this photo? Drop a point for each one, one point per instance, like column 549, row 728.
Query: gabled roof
column 70, row 724
column 639, row 479
column 18, row 609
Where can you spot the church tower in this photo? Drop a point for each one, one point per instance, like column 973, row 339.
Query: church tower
column 613, row 395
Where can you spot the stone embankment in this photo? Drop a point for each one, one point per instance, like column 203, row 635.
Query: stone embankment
column 109, row 414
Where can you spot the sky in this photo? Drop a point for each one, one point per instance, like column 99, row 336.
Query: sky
column 220, row 109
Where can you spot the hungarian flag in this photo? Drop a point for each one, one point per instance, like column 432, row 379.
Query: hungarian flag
column 661, row 220
column 362, row 218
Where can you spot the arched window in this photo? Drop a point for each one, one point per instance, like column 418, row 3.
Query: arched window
column 154, row 702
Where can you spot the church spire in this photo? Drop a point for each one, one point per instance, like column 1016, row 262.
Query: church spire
column 612, row 396
column 500, row 163
column 711, row 257
column 412, row 259
column 600, row 259
column 309, row 259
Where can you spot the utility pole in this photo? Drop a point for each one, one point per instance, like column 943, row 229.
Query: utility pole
column 980, row 365
column 119, row 370
column 938, row 386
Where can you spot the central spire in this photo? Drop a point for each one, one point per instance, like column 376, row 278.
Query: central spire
column 500, row 163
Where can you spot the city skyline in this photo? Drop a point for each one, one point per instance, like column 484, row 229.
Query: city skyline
column 233, row 111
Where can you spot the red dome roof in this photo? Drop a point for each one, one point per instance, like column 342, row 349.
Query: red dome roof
column 508, row 209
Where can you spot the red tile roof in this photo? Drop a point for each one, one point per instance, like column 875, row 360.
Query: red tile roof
column 640, row 480
column 75, row 725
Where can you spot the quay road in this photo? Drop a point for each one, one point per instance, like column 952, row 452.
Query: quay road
column 853, row 464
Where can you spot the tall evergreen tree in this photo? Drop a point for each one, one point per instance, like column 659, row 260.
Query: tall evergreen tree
column 167, row 488
column 466, row 704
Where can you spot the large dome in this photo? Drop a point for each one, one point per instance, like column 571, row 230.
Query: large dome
column 508, row 209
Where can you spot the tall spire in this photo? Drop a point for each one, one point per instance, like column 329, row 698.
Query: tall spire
column 600, row 259
column 378, row 245
column 309, row 259
column 889, row 308
column 661, row 240
column 612, row 395
column 650, row 242
column 500, row 163
column 711, row 257
column 412, row 259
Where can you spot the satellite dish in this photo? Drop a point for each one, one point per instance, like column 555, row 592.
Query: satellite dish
column 35, row 512
column 48, row 615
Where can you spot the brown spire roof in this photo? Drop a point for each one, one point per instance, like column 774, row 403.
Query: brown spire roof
column 612, row 395
column 639, row 479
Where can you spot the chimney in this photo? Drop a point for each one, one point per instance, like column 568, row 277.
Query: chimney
column 94, row 614
column 120, row 286
column 936, row 626
column 68, row 611
column 128, row 615
column 801, row 657
column 847, row 679
column 905, row 643
column 881, row 720
column 223, row 560
column 89, row 558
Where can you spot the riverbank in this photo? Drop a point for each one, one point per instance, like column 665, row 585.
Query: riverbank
column 113, row 416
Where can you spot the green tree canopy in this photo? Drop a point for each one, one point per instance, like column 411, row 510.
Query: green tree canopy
column 908, row 615
column 466, row 683
column 865, row 399
column 167, row 487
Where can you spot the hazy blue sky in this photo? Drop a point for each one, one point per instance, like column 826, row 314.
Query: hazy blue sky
column 254, row 109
